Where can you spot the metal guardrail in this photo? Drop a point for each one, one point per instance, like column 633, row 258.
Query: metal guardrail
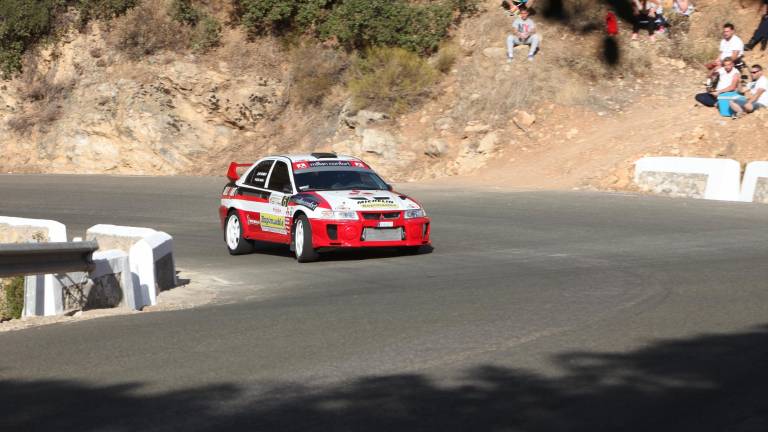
column 18, row 259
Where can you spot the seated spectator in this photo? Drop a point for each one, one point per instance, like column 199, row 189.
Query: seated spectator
column 731, row 47
column 760, row 36
column 644, row 13
column 523, row 33
column 756, row 94
column 728, row 81
column 611, row 23
column 683, row 7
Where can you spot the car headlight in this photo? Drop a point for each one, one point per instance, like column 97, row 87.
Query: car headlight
column 339, row 215
column 415, row 213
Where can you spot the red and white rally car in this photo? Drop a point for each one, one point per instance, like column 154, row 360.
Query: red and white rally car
column 317, row 202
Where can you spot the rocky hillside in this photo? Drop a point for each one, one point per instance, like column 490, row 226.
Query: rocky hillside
column 83, row 104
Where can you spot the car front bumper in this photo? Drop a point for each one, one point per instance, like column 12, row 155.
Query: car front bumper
column 343, row 234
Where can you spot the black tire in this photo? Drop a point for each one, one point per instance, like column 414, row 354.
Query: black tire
column 233, row 235
column 303, row 241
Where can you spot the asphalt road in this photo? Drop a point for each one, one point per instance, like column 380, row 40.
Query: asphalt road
column 536, row 311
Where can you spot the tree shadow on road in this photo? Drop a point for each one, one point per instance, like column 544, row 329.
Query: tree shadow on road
column 706, row 383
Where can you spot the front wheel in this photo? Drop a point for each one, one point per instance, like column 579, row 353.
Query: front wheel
column 302, row 241
column 233, row 236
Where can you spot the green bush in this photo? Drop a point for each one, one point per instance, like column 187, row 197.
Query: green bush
column 182, row 11
column 22, row 23
column 103, row 9
column 357, row 24
column 12, row 302
column 392, row 80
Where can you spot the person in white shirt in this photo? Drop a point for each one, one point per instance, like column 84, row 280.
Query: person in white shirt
column 756, row 95
column 728, row 81
column 731, row 46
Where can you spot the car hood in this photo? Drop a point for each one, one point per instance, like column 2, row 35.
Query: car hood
column 365, row 200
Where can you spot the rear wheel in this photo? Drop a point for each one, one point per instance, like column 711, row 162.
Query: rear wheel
column 233, row 236
column 302, row 240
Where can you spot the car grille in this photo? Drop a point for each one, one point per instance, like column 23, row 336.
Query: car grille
column 381, row 215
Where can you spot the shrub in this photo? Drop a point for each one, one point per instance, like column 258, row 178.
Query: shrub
column 22, row 23
column 392, row 80
column 182, row 11
column 147, row 29
column 358, row 24
column 207, row 34
column 103, row 9
column 281, row 16
column 315, row 72
column 12, row 301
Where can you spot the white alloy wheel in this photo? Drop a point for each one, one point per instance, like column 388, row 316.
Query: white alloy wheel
column 233, row 236
column 233, row 231
column 299, row 239
column 302, row 241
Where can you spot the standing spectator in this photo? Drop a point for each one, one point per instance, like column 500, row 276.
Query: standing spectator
column 523, row 33
column 761, row 33
column 611, row 23
column 731, row 47
column 644, row 16
column 683, row 7
column 756, row 95
column 729, row 78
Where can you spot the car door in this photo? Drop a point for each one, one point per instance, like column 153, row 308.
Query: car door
column 277, row 219
column 254, row 190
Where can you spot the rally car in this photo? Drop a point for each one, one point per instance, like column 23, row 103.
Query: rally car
column 317, row 202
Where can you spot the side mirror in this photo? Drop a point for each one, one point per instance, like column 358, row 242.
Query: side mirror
column 389, row 187
column 287, row 189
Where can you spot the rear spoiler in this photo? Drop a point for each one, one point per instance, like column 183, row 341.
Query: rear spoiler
column 232, row 173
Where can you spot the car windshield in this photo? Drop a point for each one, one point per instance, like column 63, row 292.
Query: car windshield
column 339, row 180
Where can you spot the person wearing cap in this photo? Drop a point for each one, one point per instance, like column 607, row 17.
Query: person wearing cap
column 756, row 96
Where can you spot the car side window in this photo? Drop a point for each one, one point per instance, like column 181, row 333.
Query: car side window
column 258, row 177
column 280, row 180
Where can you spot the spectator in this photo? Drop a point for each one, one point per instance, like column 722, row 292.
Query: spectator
column 513, row 6
column 730, row 46
column 644, row 16
column 756, row 95
column 660, row 21
column 683, row 7
column 611, row 23
column 728, row 81
column 523, row 33
column 761, row 33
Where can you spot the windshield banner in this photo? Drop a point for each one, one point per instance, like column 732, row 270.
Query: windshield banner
column 303, row 165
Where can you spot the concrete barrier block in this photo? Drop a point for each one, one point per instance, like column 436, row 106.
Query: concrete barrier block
column 153, row 266
column 111, row 274
column 117, row 236
column 22, row 230
column 150, row 254
column 41, row 290
column 754, row 187
column 708, row 178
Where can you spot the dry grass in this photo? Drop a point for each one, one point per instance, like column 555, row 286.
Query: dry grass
column 392, row 80
column 147, row 29
column 315, row 71
column 446, row 57
column 44, row 98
